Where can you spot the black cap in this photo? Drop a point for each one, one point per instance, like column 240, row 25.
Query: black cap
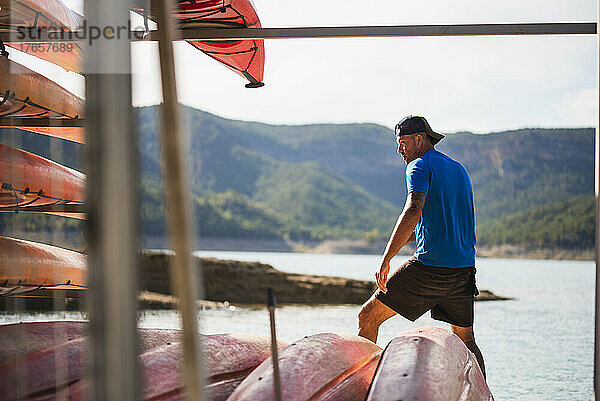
column 414, row 125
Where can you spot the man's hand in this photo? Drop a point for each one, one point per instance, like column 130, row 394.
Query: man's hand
column 403, row 233
column 381, row 276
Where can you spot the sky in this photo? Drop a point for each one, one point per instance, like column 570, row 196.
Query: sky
column 477, row 84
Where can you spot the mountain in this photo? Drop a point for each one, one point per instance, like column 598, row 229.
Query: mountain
column 313, row 182
column 516, row 170
column 278, row 171
column 567, row 224
column 510, row 171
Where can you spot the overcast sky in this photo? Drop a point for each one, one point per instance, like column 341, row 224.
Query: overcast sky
column 478, row 84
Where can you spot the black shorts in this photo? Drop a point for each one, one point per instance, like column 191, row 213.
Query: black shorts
column 415, row 288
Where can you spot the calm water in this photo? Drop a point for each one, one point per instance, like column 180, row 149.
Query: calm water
column 537, row 347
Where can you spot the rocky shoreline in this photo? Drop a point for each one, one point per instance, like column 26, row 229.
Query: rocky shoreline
column 238, row 282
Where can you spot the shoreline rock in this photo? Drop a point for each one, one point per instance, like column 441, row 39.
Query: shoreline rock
column 247, row 282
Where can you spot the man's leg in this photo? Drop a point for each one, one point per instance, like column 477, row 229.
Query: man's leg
column 371, row 315
column 468, row 337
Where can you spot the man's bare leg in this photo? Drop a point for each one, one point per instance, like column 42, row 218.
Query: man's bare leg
column 468, row 337
column 371, row 315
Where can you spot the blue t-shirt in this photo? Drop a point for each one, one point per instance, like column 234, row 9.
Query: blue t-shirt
column 445, row 232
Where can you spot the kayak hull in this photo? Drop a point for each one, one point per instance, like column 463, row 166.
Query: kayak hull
column 320, row 367
column 23, row 338
column 51, row 15
column 68, row 55
column 32, row 182
column 245, row 57
column 48, row 371
column 428, row 364
column 25, row 93
column 26, row 267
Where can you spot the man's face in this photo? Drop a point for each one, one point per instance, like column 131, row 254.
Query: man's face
column 408, row 147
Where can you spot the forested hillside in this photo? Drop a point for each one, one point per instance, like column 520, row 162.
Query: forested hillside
column 314, row 182
column 567, row 224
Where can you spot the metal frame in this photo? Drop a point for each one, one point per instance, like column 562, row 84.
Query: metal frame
column 557, row 28
column 41, row 122
column 568, row 28
column 597, row 242
column 56, row 208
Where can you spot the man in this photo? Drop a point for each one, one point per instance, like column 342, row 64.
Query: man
column 439, row 215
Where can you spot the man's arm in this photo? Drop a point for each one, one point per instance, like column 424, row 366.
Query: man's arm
column 413, row 238
column 403, row 233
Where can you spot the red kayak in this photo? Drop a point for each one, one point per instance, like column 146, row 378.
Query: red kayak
column 28, row 268
column 49, row 15
column 428, row 364
column 24, row 338
column 320, row 367
column 25, row 93
column 245, row 57
column 56, row 370
column 68, row 55
column 33, row 183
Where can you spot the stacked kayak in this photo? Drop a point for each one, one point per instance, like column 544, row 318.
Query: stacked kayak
column 26, row 93
column 52, row 15
column 428, row 364
column 320, row 367
column 30, row 268
column 33, row 183
column 245, row 57
column 29, row 16
column 48, row 360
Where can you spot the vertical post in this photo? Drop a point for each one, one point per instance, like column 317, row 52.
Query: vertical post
column 597, row 240
column 178, row 211
column 271, row 304
column 112, row 213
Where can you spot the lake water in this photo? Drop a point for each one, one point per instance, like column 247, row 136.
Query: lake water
column 538, row 346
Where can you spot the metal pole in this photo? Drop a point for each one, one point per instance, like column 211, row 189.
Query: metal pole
column 271, row 304
column 569, row 28
column 545, row 28
column 178, row 209
column 40, row 122
column 597, row 192
column 112, row 220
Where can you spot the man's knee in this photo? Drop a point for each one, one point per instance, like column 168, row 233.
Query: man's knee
column 373, row 313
